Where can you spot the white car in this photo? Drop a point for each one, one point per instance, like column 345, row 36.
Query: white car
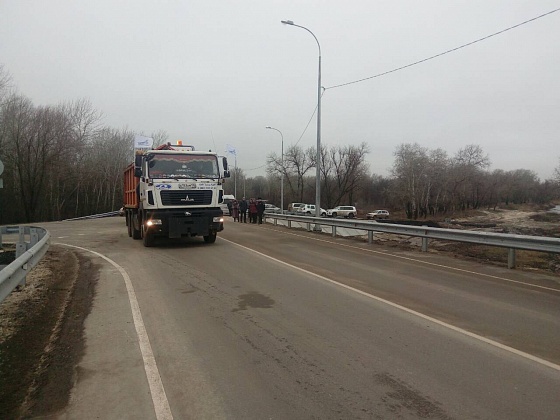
column 309, row 210
column 271, row 208
column 292, row 207
column 343, row 211
column 227, row 200
column 377, row 214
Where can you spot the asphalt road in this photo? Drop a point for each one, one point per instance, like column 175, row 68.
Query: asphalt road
column 287, row 324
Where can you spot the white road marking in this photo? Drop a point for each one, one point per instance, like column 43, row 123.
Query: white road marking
column 423, row 262
column 410, row 311
column 159, row 398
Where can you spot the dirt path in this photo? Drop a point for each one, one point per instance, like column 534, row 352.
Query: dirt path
column 41, row 334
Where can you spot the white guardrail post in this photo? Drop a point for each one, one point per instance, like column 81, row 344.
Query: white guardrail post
column 511, row 258
column 28, row 254
column 503, row 240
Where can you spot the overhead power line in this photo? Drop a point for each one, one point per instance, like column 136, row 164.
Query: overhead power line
column 310, row 119
column 443, row 53
column 421, row 61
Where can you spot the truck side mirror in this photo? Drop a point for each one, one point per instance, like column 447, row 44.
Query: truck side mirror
column 226, row 174
column 138, row 166
column 224, row 164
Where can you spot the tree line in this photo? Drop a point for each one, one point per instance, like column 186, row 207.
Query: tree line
column 60, row 162
column 423, row 182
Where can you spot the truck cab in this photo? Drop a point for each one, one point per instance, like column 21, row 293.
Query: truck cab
column 177, row 193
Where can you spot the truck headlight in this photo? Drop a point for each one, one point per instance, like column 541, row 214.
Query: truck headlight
column 153, row 222
column 218, row 219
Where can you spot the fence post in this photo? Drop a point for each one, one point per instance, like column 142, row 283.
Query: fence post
column 370, row 237
column 334, row 231
column 511, row 258
column 425, row 241
column 33, row 237
column 20, row 246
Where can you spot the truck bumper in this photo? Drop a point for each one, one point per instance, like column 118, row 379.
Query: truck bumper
column 183, row 222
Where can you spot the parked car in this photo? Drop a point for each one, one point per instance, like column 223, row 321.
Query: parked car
column 377, row 214
column 292, row 207
column 225, row 205
column 343, row 211
column 271, row 208
column 309, row 210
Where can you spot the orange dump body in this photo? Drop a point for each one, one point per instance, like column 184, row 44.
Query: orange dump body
column 130, row 184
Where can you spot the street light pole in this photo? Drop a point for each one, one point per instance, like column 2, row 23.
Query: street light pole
column 282, row 173
column 318, row 165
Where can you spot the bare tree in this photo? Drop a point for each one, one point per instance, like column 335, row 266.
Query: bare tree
column 160, row 137
column 5, row 83
column 467, row 173
column 410, row 172
column 343, row 168
column 36, row 138
column 556, row 175
column 297, row 163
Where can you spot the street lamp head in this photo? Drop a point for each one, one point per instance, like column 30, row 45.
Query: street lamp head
column 268, row 126
column 287, row 22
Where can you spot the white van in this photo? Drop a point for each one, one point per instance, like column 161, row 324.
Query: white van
column 228, row 198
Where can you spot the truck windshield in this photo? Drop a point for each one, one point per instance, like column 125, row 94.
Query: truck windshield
column 183, row 166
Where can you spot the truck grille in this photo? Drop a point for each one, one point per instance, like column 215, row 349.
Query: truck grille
column 186, row 198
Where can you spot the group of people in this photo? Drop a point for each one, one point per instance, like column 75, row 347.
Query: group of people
column 239, row 209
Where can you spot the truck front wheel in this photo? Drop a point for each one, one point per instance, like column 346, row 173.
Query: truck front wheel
column 210, row 238
column 136, row 233
column 147, row 237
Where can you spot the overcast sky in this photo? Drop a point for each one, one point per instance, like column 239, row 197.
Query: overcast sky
column 216, row 72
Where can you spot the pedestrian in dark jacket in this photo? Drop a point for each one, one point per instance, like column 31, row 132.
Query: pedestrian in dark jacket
column 252, row 211
column 260, row 210
column 243, row 205
column 235, row 209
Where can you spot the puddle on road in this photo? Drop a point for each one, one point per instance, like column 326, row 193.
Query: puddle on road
column 253, row 300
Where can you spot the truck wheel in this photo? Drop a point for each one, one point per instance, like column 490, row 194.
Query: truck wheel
column 136, row 234
column 211, row 238
column 147, row 237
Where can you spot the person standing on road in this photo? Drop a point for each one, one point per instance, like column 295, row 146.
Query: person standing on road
column 235, row 209
column 260, row 210
column 230, row 207
column 252, row 211
column 243, row 210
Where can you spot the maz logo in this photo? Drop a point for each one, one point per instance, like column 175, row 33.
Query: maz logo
column 187, row 199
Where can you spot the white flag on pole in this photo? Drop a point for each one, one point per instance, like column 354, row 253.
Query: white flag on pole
column 143, row 142
column 231, row 149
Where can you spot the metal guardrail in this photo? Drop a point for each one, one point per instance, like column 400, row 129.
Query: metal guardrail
column 28, row 254
column 94, row 216
column 511, row 242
